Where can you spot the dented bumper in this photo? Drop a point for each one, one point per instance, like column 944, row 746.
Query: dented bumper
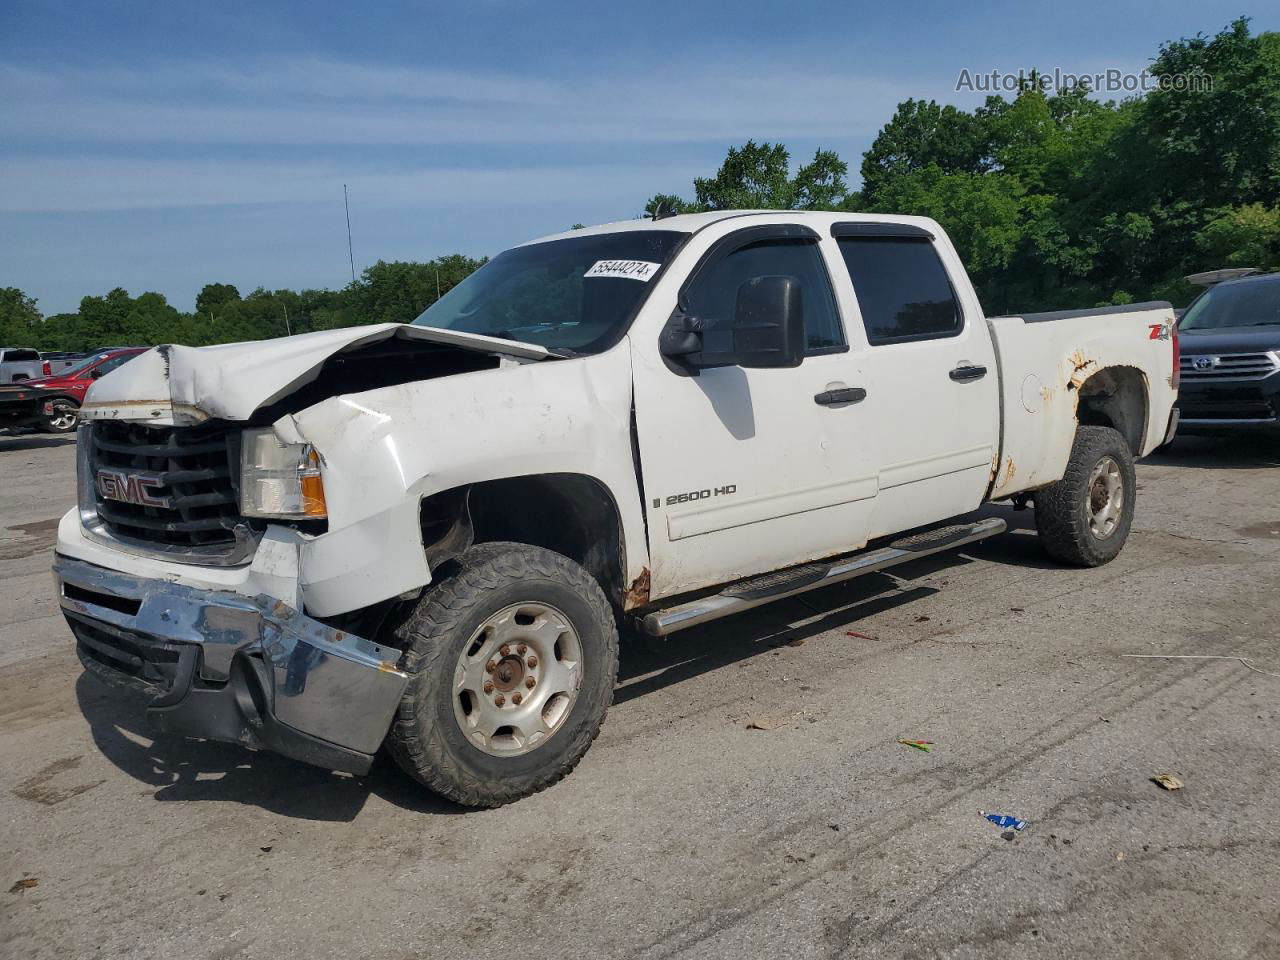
column 223, row 666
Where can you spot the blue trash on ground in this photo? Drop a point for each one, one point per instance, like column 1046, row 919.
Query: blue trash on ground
column 1005, row 821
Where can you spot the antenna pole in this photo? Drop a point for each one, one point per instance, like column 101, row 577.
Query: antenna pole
column 287, row 331
column 350, row 256
column 437, row 283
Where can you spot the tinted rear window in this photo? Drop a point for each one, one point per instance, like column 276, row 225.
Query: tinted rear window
column 902, row 288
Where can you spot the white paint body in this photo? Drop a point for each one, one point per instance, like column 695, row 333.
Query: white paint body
column 810, row 481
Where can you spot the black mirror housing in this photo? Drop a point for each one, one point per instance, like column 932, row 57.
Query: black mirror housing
column 767, row 330
column 768, row 323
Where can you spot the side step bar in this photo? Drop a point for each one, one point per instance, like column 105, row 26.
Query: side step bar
column 755, row 591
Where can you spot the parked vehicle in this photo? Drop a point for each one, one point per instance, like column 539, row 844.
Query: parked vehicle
column 424, row 535
column 52, row 403
column 20, row 363
column 56, row 361
column 1231, row 359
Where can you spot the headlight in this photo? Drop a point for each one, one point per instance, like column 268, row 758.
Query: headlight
column 279, row 479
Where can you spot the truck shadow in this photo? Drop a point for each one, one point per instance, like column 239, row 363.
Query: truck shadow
column 15, row 441
column 650, row 664
column 179, row 769
column 203, row 770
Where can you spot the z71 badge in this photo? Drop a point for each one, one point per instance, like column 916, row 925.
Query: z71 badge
column 692, row 495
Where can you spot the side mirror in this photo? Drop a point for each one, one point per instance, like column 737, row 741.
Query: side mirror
column 767, row 330
column 95, row 373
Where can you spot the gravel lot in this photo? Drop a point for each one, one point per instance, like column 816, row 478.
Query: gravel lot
column 685, row 832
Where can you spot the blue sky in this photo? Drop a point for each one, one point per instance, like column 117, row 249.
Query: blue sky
column 161, row 146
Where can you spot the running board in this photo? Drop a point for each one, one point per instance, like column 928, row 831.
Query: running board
column 745, row 594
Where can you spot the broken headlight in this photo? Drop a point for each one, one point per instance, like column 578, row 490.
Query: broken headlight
column 279, row 479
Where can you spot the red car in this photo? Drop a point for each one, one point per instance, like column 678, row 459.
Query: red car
column 53, row 403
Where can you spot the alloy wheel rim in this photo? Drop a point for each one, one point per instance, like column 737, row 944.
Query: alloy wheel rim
column 1105, row 498
column 517, row 679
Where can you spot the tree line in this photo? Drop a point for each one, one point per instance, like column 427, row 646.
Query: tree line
column 1057, row 199
column 1052, row 197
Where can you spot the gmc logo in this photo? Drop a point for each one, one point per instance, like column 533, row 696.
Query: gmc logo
column 135, row 488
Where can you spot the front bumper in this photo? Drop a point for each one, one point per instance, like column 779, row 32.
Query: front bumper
column 223, row 666
column 1230, row 406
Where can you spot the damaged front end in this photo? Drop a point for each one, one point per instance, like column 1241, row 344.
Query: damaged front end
column 221, row 666
column 186, row 586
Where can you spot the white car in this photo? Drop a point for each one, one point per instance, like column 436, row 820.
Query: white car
column 423, row 536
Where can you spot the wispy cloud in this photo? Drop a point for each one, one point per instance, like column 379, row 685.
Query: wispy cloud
column 323, row 102
column 98, row 183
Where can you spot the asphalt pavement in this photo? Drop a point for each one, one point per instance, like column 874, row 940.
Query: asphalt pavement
column 748, row 796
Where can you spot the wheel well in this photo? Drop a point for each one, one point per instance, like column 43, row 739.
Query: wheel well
column 1116, row 397
column 572, row 514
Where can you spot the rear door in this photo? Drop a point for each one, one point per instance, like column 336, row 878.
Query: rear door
column 750, row 470
column 934, row 373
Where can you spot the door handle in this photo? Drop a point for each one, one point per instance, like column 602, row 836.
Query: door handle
column 967, row 373
column 828, row 398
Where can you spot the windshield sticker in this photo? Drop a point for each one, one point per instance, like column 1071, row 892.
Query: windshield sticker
column 641, row 270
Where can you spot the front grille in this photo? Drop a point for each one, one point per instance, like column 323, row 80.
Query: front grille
column 1228, row 366
column 194, row 469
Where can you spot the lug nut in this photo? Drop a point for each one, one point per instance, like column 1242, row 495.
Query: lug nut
column 488, row 687
column 491, row 666
column 505, row 649
column 529, row 682
column 499, row 700
column 516, row 698
column 533, row 662
column 521, row 648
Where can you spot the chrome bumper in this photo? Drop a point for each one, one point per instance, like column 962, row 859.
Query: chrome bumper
column 222, row 666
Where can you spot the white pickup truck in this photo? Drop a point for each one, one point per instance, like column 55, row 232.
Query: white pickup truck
column 425, row 536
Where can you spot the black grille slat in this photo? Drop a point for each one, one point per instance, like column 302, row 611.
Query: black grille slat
column 192, row 465
column 166, row 449
column 110, row 514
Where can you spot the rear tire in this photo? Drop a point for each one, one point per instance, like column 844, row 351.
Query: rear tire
column 65, row 418
column 530, row 614
column 1084, row 518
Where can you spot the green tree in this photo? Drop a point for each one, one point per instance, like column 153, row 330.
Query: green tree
column 758, row 177
column 20, row 321
column 922, row 133
column 1247, row 236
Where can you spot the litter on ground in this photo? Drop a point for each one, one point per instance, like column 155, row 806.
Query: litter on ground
column 1004, row 820
column 917, row 744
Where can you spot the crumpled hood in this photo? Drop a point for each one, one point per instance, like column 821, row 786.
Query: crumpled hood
column 175, row 385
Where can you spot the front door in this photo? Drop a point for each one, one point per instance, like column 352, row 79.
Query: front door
column 750, row 470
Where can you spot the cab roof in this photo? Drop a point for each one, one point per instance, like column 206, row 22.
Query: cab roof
column 693, row 222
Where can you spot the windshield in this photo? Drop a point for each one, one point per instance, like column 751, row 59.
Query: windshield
column 1249, row 304
column 576, row 295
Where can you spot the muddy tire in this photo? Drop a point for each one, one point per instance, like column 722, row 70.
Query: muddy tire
column 1084, row 518
column 511, row 661
column 65, row 417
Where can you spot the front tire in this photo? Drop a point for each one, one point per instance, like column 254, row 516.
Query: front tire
column 511, row 661
column 1084, row 518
